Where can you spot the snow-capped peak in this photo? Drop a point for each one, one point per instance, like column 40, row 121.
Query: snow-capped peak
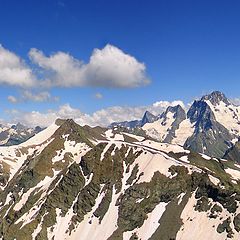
column 224, row 111
column 216, row 98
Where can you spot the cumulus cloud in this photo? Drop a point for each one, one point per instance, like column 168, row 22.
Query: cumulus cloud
column 38, row 97
column 33, row 118
column 61, row 69
column 36, row 118
column 101, row 117
column 108, row 67
column 12, row 99
column 27, row 95
column 14, row 71
column 98, row 96
column 165, row 104
column 111, row 67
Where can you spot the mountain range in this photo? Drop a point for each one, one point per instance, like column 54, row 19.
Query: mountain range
column 171, row 176
column 211, row 125
column 16, row 134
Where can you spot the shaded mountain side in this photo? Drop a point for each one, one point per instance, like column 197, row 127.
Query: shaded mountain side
column 233, row 153
column 209, row 136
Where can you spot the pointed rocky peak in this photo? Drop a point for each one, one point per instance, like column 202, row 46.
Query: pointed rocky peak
column 215, row 98
column 59, row 121
column 148, row 118
column 75, row 132
column 66, row 126
column 177, row 111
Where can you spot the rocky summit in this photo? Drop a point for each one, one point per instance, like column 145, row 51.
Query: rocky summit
column 77, row 182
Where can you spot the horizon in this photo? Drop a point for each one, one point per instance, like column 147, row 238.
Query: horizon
column 99, row 59
column 156, row 109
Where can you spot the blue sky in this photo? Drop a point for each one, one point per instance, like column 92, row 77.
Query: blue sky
column 189, row 48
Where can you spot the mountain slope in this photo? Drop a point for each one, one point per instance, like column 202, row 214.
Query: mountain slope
column 92, row 183
column 233, row 153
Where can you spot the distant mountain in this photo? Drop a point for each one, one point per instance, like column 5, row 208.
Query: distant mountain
column 72, row 182
column 16, row 134
column 147, row 118
column 211, row 125
column 164, row 128
column 209, row 136
column 216, row 98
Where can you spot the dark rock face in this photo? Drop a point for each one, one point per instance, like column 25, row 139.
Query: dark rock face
column 201, row 114
column 225, row 226
column 148, row 118
column 236, row 222
column 209, row 137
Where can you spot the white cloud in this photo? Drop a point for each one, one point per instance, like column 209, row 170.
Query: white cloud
column 33, row 118
column 98, row 96
column 165, row 104
column 111, row 67
column 38, row 97
column 61, row 69
column 108, row 67
column 235, row 101
column 27, row 95
column 12, row 99
column 36, row 118
column 14, row 71
column 102, row 117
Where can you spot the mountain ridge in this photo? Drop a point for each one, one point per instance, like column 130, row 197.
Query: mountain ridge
column 90, row 182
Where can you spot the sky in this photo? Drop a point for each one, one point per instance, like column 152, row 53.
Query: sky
column 101, row 61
